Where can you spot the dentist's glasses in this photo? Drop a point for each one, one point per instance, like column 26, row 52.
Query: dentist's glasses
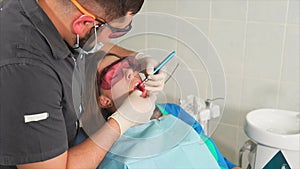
column 113, row 73
column 116, row 32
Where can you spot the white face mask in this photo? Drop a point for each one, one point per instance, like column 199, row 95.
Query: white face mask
column 96, row 48
column 93, row 40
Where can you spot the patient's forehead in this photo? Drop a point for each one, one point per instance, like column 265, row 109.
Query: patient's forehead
column 106, row 61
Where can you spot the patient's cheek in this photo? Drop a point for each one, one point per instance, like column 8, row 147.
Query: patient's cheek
column 120, row 91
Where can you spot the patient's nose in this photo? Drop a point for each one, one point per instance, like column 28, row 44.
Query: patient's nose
column 129, row 74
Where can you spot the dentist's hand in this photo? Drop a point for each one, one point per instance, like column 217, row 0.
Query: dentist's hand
column 134, row 110
column 156, row 82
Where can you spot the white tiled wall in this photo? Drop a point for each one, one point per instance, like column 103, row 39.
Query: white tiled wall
column 267, row 11
column 229, row 10
column 258, row 44
column 263, row 50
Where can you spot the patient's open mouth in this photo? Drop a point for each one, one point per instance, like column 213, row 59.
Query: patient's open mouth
column 141, row 86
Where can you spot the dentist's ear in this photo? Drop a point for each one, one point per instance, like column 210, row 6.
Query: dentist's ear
column 79, row 25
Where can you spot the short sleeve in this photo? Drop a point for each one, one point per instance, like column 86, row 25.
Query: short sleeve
column 32, row 126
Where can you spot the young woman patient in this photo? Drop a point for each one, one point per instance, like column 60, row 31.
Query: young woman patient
column 117, row 77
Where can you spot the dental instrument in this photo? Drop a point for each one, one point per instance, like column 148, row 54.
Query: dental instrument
column 140, row 86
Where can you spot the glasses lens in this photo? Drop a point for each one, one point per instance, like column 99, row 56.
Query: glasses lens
column 113, row 73
column 118, row 32
column 116, row 35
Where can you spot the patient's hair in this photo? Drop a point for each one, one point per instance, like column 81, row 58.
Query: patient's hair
column 105, row 112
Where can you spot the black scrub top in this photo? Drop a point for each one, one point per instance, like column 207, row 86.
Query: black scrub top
column 38, row 119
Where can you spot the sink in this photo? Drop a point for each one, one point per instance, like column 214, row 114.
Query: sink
column 274, row 128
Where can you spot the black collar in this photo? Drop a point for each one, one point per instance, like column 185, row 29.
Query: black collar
column 42, row 22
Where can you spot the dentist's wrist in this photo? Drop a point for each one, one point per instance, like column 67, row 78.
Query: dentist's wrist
column 123, row 123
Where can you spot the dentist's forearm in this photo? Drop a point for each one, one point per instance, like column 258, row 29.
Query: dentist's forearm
column 88, row 154
column 91, row 152
column 120, row 51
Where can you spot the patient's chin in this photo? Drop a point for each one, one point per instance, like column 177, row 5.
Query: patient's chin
column 121, row 90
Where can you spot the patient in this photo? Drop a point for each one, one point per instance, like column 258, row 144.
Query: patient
column 116, row 78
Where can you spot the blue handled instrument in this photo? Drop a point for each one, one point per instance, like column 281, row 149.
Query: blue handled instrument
column 162, row 64
column 141, row 86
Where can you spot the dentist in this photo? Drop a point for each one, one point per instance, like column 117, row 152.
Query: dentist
column 39, row 40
